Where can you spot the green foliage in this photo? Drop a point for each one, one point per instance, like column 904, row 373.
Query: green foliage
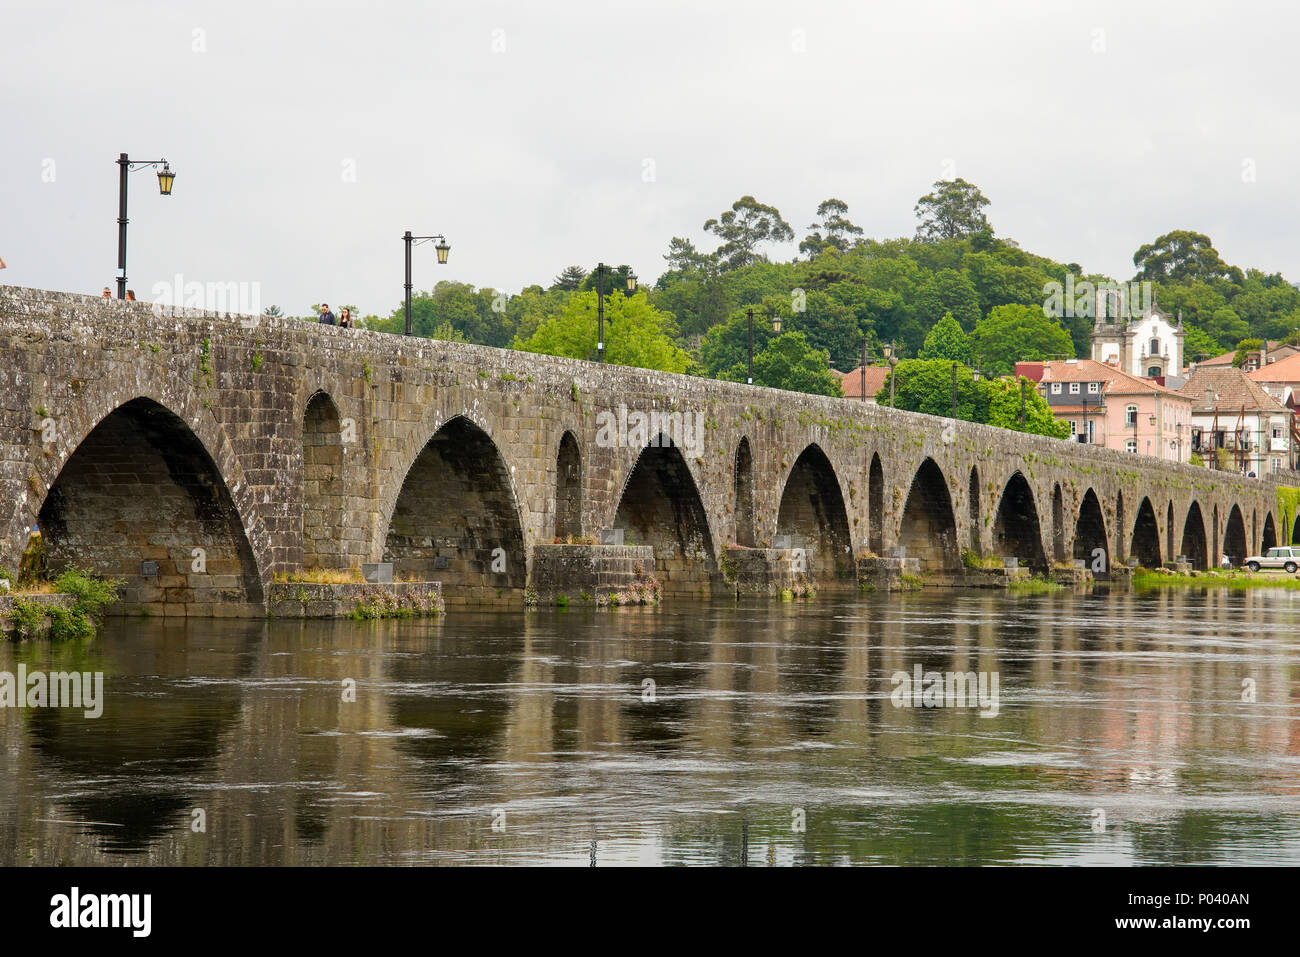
column 743, row 228
column 834, row 231
column 927, row 385
column 1013, row 333
column 1017, row 405
column 258, row 359
column 954, row 210
column 27, row 618
column 789, row 362
column 636, row 333
column 91, row 594
column 1244, row 348
column 946, row 340
column 1199, row 345
column 1184, row 256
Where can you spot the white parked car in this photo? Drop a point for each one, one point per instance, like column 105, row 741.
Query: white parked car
column 1286, row 558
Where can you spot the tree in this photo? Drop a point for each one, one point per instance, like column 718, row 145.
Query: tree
column 272, row 312
column 570, row 279
column 955, row 210
column 636, row 334
column 1244, row 348
column 1198, row 345
column 926, row 385
column 839, row 231
column 950, row 292
column 1010, row 399
column 683, row 257
column 1183, row 256
column 1013, row 333
column 946, row 340
column 743, row 227
column 726, row 345
column 789, row 362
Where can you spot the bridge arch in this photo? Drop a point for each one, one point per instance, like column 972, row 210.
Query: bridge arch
column 456, row 519
column 1234, row 537
column 1169, row 532
column 1121, row 530
column 568, row 488
column 1090, row 534
column 1194, row 546
column 1017, row 532
column 1269, row 536
column 876, row 506
column 1146, row 536
column 142, row 486
column 661, row 506
column 973, row 515
column 812, row 513
column 323, row 483
column 743, row 488
column 928, row 528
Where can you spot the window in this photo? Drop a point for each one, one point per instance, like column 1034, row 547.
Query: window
column 1155, row 347
column 1074, row 388
column 1153, row 372
column 1056, row 388
column 1131, row 445
column 1094, row 387
column 1131, row 415
column 1074, row 427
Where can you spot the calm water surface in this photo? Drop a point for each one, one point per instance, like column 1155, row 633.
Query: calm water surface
column 762, row 714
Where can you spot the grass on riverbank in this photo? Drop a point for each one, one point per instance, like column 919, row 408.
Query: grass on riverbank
column 1034, row 586
column 1240, row 580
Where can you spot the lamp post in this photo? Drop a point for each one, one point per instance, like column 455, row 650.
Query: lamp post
column 955, row 364
column 410, row 241
column 863, row 369
column 165, row 180
column 888, row 350
column 601, row 269
column 749, row 378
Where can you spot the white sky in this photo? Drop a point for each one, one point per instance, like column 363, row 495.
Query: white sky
column 532, row 158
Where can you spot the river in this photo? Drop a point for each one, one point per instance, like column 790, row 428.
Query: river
column 694, row 733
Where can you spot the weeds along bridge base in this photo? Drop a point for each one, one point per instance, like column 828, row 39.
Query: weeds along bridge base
column 229, row 450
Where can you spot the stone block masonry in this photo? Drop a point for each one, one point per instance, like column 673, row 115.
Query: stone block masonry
column 228, row 450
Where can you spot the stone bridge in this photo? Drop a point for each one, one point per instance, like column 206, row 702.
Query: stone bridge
column 234, row 450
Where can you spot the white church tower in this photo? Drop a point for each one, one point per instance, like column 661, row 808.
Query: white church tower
column 1148, row 345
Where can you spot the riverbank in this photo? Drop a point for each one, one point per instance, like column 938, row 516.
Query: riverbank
column 1160, row 578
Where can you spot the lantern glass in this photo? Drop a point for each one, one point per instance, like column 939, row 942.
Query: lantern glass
column 776, row 324
column 443, row 250
column 165, row 179
column 888, row 349
column 631, row 283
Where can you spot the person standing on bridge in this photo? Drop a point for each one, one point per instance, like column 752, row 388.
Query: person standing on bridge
column 326, row 317
column 345, row 318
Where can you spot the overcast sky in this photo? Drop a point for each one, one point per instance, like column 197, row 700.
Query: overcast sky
column 535, row 135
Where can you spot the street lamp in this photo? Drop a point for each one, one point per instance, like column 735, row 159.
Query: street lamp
column 863, row 370
column 442, row 249
column 888, row 350
column 165, row 180
column 749, row 377
column 601, row 269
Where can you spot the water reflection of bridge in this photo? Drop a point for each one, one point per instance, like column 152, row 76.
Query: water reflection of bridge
column 757, row 711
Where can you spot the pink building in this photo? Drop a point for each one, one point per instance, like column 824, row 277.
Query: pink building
column 1106, row 406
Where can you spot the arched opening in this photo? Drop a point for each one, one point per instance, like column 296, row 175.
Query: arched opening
column 928, row 529
column 812, row 513
column 1121, row 530
column 661, row 507
column 1090, row 543
column 141, row 488
column 743, row 481
column 323, row 486
column 568, row 489
column 1169, row 532
column 1146, row 536
column 1016, row 530
column 876, row 507
column 1254, row 528
column 973, row 509
column 1295, row 532
column 1058, row 524
column 1270, row 534
column 1193, row 546
column 1234, row 537
column 456, row 520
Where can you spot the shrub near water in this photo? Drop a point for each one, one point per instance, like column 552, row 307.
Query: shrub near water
column 90, row 596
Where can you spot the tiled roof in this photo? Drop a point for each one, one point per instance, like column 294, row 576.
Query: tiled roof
column 1232, row 388
column 851, row 382
column 1116, row 381
column 1284, row 370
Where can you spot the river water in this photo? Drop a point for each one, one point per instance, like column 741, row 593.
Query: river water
column 709, row 733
